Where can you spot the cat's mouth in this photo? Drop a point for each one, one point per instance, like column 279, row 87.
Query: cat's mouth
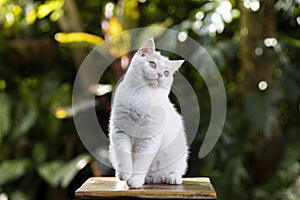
column 154, row 80
column 154, row 83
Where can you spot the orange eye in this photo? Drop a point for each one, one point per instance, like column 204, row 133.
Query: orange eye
column 166, row 73
column 152, row 64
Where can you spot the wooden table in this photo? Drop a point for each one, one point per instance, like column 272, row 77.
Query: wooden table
column 111, row 188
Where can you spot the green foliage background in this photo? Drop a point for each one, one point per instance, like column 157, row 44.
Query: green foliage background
column 258, row 154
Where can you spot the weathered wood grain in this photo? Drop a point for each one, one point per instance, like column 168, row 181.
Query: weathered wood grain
column 111, row 188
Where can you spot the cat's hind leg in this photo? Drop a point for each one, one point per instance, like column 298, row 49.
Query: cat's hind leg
column 173, row 172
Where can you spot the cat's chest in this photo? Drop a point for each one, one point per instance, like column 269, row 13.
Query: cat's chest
column 148, row 111
column 143, row 100
column 139, row 103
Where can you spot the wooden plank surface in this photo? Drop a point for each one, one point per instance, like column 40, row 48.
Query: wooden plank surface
column 111, row 188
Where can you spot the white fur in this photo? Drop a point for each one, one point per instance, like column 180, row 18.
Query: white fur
column 147, row 136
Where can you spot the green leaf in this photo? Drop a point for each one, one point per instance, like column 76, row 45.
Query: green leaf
column 293, row 41
column 13, row 169
column 61, row 97
column 48, row 7
column 58, row 173
column 49, row 172
column 39, row 152
column 70, row 169
column 5, row 107
column 26, row 112
column 25, row 123
column 77, row 37
column 18, row 195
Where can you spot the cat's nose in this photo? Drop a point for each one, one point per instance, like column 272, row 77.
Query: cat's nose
column 159, row 75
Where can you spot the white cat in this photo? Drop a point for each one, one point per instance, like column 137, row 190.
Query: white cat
column 147, row 136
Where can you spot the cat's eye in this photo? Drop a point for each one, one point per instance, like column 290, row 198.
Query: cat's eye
column 166, row 73
column 152, row 64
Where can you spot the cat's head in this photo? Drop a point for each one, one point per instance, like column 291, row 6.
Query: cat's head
column 156, row 70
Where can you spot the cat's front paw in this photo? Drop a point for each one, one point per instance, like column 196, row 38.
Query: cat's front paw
column 136, row 181
column 123, row 176
column 173, row 178
column 153, row 179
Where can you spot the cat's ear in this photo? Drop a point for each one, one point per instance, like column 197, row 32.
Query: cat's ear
column 175, row 64
column 148, row 47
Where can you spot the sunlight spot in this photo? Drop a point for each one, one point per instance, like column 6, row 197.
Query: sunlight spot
column 270, row 42
column 235, row 13
column 244, row 31
column 101, row 89
column 82, row 163
column 258, row 51
column 298, row 20
column 109, row 6
column 225, row 11
column 49, row 7
column 212, row 30
column 218, row 22
column 105, row 25
column 182, row 36
column 262, row 85
column 225, row 6
column 10, row 18
column 227, row 17
column 247, row 4
column 16, row 10
column 216, row 18
column 61, row 113
column 199, row 15
column 198, row 24
column 31, row 17
column 56, row 15
column 3, row 196
column 77, row 37
column 124, row 62
column 254, row 6
column 108, row 11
